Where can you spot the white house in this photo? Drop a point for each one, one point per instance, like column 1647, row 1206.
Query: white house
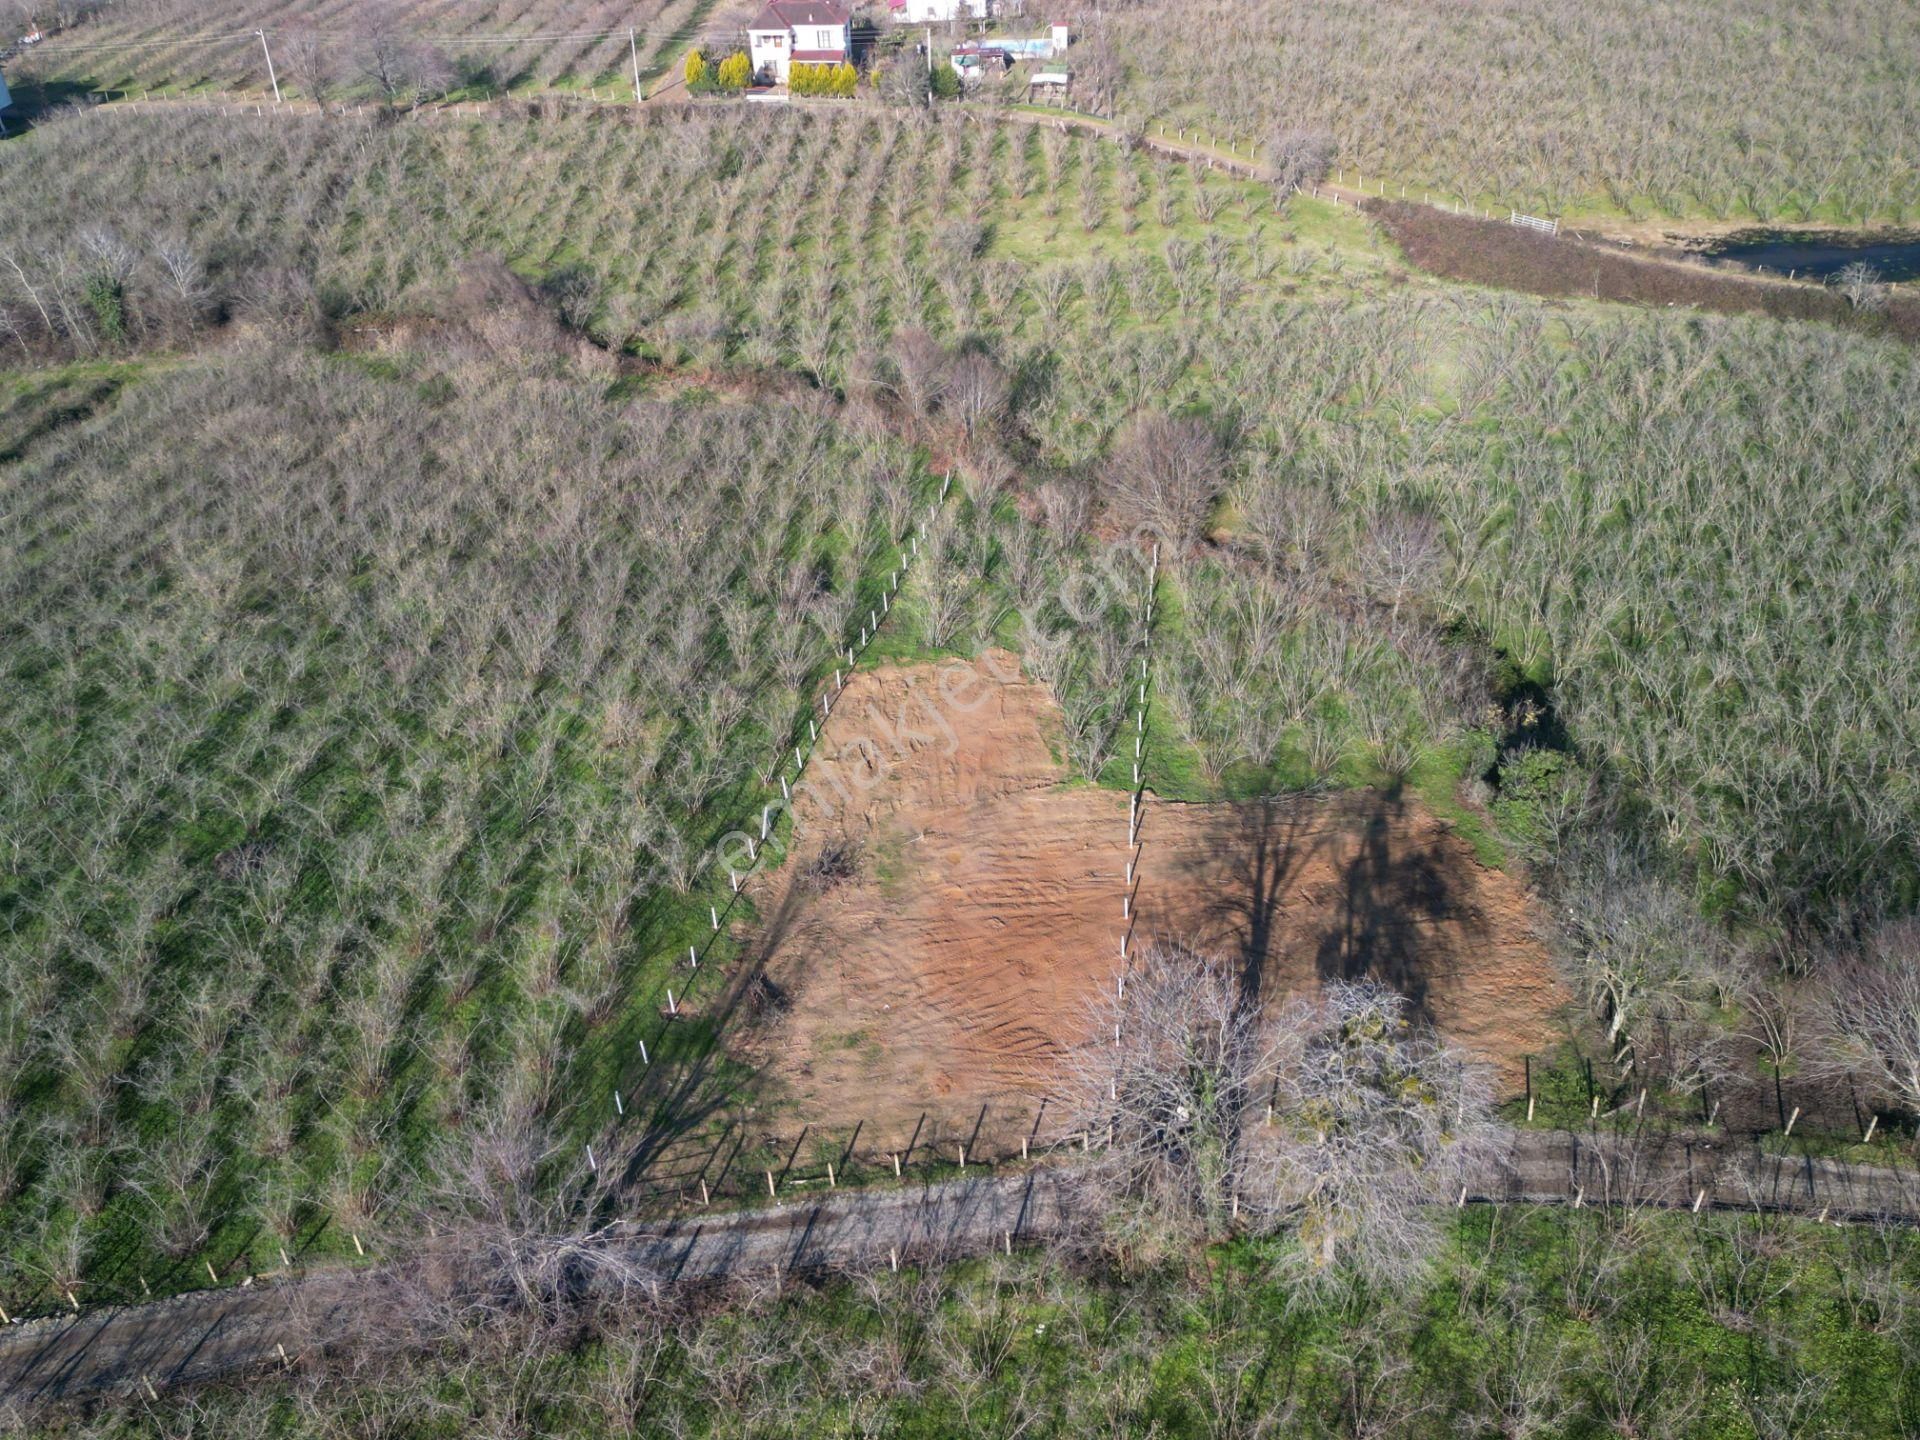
column 812, row 32
column 938, row 12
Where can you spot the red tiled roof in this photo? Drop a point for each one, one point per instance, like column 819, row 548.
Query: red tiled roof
column 817, row 57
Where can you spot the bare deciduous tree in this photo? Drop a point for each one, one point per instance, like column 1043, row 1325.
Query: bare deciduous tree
column 1164, row 474
column 1176, row 1063
column 310, row 65
column 976, row 392
column 1869, row 1013
column 1376, row 1121
column 1862, row 286
column 920, row 365
column 1339, row 1116
column 403, row 69
column 1299, row 157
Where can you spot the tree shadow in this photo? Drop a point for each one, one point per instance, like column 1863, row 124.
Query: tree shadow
column 1266, row 843
column 677, row 1100
column 1392, row 890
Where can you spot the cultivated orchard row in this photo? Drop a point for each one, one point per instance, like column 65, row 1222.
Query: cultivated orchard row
column 377, row 908
column 1701, row 108
column 361, row 48
column 1357, row 465
column 1398, row 485
column 368, row 784
column 1354, row 459
column 1722, row 115
column 706, row 237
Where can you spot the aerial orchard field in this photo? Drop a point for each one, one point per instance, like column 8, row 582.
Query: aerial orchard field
column 372, row 734
column 442, row 526
column 358, row 50
column 1700, row 108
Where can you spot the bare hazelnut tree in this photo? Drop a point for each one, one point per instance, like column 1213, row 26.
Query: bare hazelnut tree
column 1869, row 1016
column 1339, row 1117
column 1165, row 473
column 1376, row 1122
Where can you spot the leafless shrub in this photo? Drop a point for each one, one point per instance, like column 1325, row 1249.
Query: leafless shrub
column 1862, row 287
column 835, row 863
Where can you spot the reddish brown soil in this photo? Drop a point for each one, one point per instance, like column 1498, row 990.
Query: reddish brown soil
column 952, row 968
column 1492, row 252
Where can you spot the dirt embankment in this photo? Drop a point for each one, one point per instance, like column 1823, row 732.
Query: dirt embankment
column 956, row 908
column 1492, row 252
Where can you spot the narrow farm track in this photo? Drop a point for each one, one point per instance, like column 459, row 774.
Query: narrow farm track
column 193, row 1339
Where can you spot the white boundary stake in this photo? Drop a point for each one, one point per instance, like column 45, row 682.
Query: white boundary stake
column 736, row 882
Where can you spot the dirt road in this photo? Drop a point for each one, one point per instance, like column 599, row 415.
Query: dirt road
column 195, row 1338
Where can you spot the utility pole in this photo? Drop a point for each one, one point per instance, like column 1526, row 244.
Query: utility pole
column 633, row 46
column 929, row 67
column 270, row 75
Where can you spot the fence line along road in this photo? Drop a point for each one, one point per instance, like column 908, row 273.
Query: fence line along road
column 189, row 1339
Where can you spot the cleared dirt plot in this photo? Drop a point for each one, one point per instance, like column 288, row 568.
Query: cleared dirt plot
column 955, row 906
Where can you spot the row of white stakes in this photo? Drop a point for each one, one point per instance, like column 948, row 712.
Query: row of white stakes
column 867, row 635
column 1128, row 914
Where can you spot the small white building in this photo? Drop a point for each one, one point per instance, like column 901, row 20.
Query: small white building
column 810, row 32
column 938, row 12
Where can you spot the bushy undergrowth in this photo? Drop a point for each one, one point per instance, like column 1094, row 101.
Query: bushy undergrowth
column 1535, row 1323
column 1704, row 107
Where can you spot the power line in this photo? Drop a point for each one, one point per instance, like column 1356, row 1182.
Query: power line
column 240, row 37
